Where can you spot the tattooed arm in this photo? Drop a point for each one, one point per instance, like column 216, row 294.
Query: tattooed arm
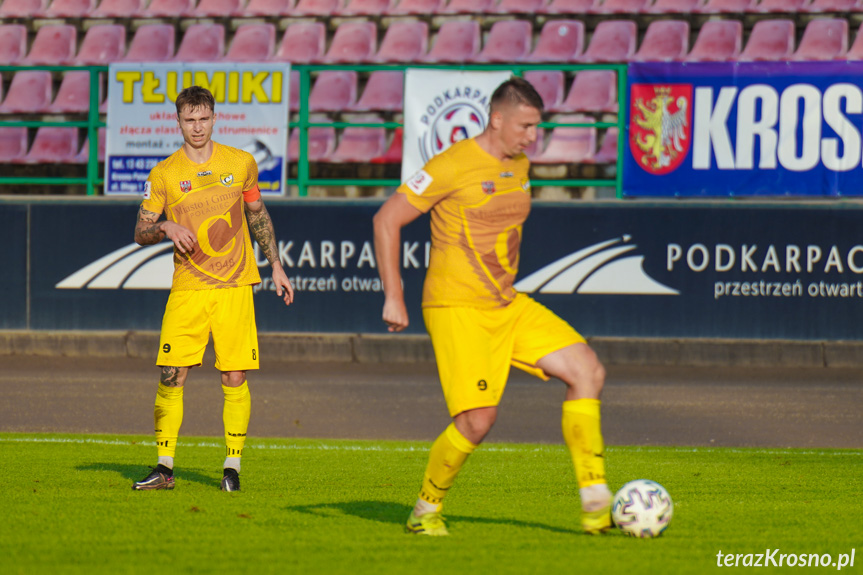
column 149, row 230
column 261, row 227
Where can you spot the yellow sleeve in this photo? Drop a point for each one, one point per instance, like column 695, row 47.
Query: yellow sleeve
column 251, row 173
column 155, row 194
column 434, row 182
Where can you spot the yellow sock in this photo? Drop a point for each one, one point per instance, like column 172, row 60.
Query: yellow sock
column 447, row 455
column 238, row 408
column 581, row 431
column 168, row 417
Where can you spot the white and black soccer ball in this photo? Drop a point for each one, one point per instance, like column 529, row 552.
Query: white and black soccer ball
column 642, row 508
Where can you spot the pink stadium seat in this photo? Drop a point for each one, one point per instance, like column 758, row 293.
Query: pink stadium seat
column 119, row 9
column 171, row 8
column 569, row 145
column 469, row 7
column 353, row 42
column 53, row 45
column 591, row 91
column 152, row 43
column 218, row 8
column 507, row 41
column 333, row 91
column 559, row 41
column 622, row 7
column 317, row 7
column 294, row 87
column 612, row 41
column 366, row 7
column 53, row 146
column 519, row 6
column 727, row 6
column 769, row 40
column 718, row 41
column 303, row 43
column 549, row 84
column 102, row 45
column 674, row 6
column 535, row 148
column 360, row 145
column 22, row 8
column 252, row 43
column 393, row 155
column 568, row 7
column 202, row 43
column 84, row 153
column 13, row 145
column 13, row 44
column 384, row 92
column 29, row 93
column 73, row 96
column 788, row 6
column 404, row 41
column 321, row 143
column 824, row 39
column 69, row 8
column 819, row 6
column 456, row 41
column 607, row 153
column 269, row 8
column 416, row 7
column 855, row 52
column 664, row 41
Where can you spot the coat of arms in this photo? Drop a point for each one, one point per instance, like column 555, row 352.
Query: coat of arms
column 660, row 126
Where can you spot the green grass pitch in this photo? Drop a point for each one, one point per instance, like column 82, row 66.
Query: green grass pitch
column 331, row 506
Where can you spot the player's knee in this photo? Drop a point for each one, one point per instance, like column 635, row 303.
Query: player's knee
column 233, row 378
column 476, row 423
column 173, row 376
column 585, row 372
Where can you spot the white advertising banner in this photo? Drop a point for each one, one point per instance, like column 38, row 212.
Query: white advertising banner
column 441, row 108
column 251, row 114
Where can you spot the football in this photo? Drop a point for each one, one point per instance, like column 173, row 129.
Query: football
column 642, row 508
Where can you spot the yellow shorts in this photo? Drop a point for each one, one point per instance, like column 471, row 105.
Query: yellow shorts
column 191, row 315
column 474, row 348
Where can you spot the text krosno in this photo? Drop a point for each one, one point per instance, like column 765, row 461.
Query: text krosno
column 232, row 87
column 775, row 558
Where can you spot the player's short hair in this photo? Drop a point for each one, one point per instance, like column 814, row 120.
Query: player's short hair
column 516, row 91
column 195, row 97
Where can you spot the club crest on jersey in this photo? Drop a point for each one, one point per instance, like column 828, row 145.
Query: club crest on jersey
column 525, row 185
column 660, row 126
column 488, row 187
column 185, row 186
column 226, row 179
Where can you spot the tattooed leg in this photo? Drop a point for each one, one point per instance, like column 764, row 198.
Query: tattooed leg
column 174, row 376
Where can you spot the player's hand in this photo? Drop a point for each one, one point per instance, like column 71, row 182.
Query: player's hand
column 284, row 289
column 395, row 314
column 184, row 239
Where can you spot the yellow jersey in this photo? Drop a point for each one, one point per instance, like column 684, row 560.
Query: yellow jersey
column 208, row 199
column 478, row 204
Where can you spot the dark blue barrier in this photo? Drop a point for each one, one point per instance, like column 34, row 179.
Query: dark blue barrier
column 13, row 287
column 620, row 269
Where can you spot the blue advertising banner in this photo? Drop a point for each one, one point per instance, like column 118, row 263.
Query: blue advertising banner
column 13, row 288
column 744, row 129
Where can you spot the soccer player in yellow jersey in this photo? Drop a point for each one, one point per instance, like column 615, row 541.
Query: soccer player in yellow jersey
column 478, row 193
column 209, row 194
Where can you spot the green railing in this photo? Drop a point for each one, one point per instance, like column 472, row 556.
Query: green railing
column 93, row 179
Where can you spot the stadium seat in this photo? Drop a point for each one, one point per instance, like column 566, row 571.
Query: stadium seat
column 333, row 91
column 569, row 145
column 456, row 41
column 22, row 8
column 664, row 41
column 727, row 6
column 519, row 6
column 621, row 7
column 303, row 43
column 769, row 40
column 102, row 44
column 674, row 6
column 84, row 153
column 393, row 155
column 69, row 9
column 353, row 42
column 568, row 7
column 404, row 41
column 855, row 52
column 170, row 9
column 607, row 153
column 559, row 41
column 252, row 43
column 384, row 92
column 73, row 96
column 360, row 145
column 269, row 8
column 718, row 41
column 591, row 91
column 294, row 88
column 416, row 7
column 469, row 7
column 317, row 7
column 535, row 148
column 29, row 93
column 549, row 84
column 53, row 145
column 13, row 145
column 321, row 142
column 818, row 6
column 788, row 6
column 507, row 41
column 202, row 43
column 53, row 45
column 612, row 41
column 366, row 7
column 218, row 8
column 13, row 44
column 152, row 43
column 824, row 39
column 119, row 9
